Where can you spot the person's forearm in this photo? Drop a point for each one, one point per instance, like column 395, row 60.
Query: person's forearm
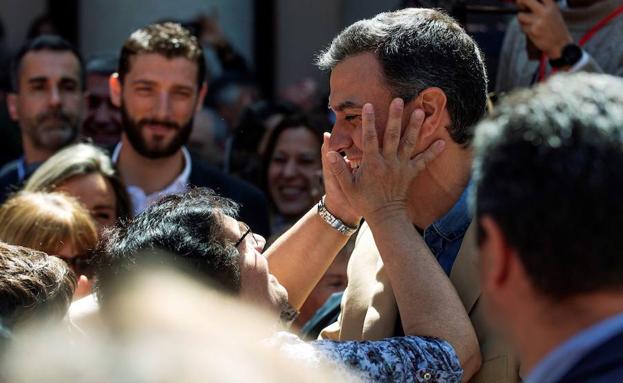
column 301, row 256
column 427, row 300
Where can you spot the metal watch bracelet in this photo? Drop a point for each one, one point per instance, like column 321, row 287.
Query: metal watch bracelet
column 334, row 221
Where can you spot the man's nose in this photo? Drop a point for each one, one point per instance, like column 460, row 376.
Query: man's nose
column 55, row 97
column 340, row 139
column 260, row 242
column 102, row 113
column 163, row 107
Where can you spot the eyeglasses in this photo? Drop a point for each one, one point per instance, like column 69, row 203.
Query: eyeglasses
column 246, row 231
column 79, row 264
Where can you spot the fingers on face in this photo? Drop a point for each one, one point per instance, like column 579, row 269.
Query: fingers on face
column 409, row 139
column 391, row 138
column 369, row 137
column 424, row 158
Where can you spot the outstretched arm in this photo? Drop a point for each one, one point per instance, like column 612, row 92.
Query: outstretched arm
column 301, row 256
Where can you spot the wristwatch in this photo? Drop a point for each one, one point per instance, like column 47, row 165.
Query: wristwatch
column 334, row 221
column 571, row 54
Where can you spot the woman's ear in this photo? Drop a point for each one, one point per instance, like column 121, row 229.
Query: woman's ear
column 433, row 102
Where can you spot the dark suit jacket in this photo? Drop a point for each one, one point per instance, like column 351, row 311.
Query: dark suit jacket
column 9, row 178
column 253, row 203
column 603, row 364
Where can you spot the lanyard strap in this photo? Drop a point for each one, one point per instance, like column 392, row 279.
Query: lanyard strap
column 587, row 36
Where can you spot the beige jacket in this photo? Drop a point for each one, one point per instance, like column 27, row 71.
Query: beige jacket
column 369, row 309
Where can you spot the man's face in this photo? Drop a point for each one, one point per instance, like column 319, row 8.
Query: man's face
column 158, row 100
column 257, row 284
column 49, row 101
column 103, row 119
column 355, row 81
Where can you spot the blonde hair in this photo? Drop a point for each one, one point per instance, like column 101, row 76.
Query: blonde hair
column 77, row 160
column 46, row 222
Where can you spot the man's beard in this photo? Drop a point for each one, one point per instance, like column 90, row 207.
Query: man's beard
column 133, row 130
column 56, row 137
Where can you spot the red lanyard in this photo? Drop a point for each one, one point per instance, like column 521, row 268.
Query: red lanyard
column 587, row 36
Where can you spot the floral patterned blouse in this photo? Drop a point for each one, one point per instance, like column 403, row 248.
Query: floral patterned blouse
column 399, row 359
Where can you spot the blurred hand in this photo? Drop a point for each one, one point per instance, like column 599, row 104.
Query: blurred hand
column 381, row 183
column 542, row 23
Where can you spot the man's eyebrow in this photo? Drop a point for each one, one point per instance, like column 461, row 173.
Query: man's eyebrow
column 345, row 105
column 37, row 80
column 143, row 82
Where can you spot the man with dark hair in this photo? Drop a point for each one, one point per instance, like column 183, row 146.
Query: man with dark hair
column 548, row 188
column 47, row 100
column 159, row 87
column 33, row 285
column 102, row 122
column 397, row 68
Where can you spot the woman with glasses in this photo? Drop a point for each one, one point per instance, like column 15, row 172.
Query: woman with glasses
column 56, row 224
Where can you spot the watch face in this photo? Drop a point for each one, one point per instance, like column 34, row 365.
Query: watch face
column 571, row 54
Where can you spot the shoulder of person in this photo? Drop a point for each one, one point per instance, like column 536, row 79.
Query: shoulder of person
column 8, row 172
column 203, row 174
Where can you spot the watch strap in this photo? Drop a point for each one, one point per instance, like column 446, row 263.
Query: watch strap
column 334, row 221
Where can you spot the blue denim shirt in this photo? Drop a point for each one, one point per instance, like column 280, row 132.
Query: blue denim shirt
column 444, row 236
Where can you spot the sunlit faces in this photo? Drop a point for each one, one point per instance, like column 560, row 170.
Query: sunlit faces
column 103, row 119
column 96, row 194
column 158, row 99
column 294, row 171
column 49, row 101
column 355, row 81
column 257, row 284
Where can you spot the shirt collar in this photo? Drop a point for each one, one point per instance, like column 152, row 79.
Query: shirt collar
column 184, row 175
column 140, row 200
column 455, row 222
column 558, row 362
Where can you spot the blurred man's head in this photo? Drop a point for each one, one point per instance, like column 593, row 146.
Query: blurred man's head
column 103, row 119
column 47, row 80
column 197, row 232
column 159, row 87
column 548, row 186
column 33, row 286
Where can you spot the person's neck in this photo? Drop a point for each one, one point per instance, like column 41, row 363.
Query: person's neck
column 151, row 175
column 440, row 186
column 554, row 323
column 32, row 154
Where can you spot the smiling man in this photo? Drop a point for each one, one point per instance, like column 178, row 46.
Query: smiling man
column 395, row 66
column 159, row 87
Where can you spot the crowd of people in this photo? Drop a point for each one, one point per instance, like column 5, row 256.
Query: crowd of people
column 166, row 223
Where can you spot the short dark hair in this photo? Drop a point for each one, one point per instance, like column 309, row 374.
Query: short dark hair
column 186, row 228
column 102, row 64
column 33, row 285
column 167, row 39
column 419, row 49
column 548, row 171
column 44, row 43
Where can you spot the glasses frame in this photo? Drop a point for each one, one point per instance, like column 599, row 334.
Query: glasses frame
column 247, row 231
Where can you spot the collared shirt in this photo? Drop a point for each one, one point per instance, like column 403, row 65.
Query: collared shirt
column 399, row 359
column 140, row 200
column 557, row 363
column 444, row 236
